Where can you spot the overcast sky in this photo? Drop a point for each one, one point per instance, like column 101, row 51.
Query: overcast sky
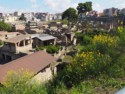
column 54, row 6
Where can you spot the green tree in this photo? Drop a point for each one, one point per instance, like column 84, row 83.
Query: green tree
column 5, row 27
column 22, row 17
column 84, row 7
column 70, row 14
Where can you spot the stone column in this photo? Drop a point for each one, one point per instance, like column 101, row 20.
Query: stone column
column 74, row 41
column 66, row 40
column 55, row 40
column 30, row 40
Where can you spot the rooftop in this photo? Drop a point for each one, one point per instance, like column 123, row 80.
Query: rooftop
column 43, row 37
column 17, row 38
column 34, row 63
column 7, row 33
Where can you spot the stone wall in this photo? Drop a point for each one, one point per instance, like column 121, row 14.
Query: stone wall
column 44, row 75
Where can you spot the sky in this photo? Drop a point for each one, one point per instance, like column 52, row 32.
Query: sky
column 55, row 6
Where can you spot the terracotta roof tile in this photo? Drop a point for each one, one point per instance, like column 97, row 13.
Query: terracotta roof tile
column 34, row 63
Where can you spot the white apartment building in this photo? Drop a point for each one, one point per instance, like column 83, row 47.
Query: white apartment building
column 10, row 19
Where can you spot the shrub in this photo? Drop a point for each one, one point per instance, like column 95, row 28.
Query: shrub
column 79, row 37
column 117, row 70
column 87, row 64
column 87, row 39
column 50, row 49
column 105, row 42
column 5, row 27
column 21, row 84
column 92, row 63
column 67, row 59
column 105, row 39
column 83, row 39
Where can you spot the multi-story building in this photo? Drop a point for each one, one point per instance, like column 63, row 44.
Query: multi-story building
column 17, row 14
column 110, row 12
column 15, row 47
column 28, row 16
column 10, row 19
column 92, row 14
column 122, row 11
column 44, row 16
column 58, row 16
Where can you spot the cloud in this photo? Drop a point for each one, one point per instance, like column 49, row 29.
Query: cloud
column 97, row 7
column 59, row 5
column 35, row 6
column 119, row 3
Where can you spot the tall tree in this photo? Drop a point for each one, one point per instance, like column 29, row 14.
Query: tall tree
column 70, row 14
column 83, row 8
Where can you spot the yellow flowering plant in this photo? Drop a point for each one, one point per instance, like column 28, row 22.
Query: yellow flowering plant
column 90, row 63
column 105, row 42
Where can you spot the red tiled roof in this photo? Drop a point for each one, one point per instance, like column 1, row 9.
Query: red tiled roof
column 33, row 63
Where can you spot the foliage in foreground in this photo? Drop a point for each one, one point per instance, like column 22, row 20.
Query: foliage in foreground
column 21, row 83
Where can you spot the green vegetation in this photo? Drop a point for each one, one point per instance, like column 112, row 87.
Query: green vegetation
column 84, row 7
column 22, row 17
column 1, row 43
column 70, row 14
column 97, row 68
column 50, row 49
column 5, row 26
column 67, row 59
column 21, row 84
column 62, row 21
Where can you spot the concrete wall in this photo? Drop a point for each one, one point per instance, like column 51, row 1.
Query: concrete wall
column 44, row 76
column 24, row 49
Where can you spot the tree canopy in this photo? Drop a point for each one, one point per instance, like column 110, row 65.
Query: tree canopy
column 84, row 7
column 5, row 27
column 22, row 17
column 70, row 14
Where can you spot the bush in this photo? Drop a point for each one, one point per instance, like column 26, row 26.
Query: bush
column 85, row 65
column 117, row 70
column 50, row 49
column 21, row 84
column 83, row 39
column 92, row 63
column 105, row 42
column 5, row 27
